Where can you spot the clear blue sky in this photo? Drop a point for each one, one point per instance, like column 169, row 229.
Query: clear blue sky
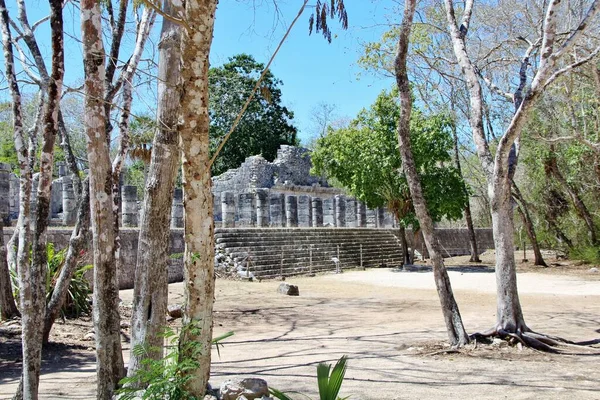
column 312, row 70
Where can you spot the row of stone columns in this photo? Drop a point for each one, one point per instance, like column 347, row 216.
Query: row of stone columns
column 264, row 209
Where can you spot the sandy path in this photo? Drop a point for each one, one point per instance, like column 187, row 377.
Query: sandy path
column 378, row 317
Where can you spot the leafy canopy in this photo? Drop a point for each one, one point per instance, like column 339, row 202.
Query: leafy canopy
column 266, row 124
column 364, row 159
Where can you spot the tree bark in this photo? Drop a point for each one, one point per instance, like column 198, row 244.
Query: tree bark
column 454, row 325
column 198, row 199
column 8, row 307
column 106, row 293
column 522, row 208
column 77, row 243
column 151, row 273
column 468, row 216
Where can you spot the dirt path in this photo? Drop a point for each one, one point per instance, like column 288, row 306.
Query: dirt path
column 381, row 319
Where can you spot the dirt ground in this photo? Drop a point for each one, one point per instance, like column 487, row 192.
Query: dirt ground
column 389, row 324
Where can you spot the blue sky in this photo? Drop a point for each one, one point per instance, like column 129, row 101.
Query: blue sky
column 312, row 70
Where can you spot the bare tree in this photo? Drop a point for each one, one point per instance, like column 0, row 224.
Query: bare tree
column 7, row 305
column 499, row 168
column 454, row 326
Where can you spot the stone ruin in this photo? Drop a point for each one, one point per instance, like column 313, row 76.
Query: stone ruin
column 282, row 193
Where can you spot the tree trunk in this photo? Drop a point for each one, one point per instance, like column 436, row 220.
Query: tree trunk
column 77, row 242
column 528, row 223
column 406, row 259
column 106, row 293
column 454, row 326
column 509, row 316
column 578, row 203
column 197, row 197
column 8, row 307
column 468, row 217
column 151, row 273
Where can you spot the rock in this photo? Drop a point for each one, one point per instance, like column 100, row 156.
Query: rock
column 89, row 337
column 248, row 388
column 594, row 270
column 175, row 311
column 290, row 290
column 210, row 397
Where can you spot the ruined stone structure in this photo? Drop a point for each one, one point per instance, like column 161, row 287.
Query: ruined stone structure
column 259, row 193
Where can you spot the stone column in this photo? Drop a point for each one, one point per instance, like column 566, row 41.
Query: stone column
column 262, row 207
column 4, row 191
column 291, row 211
column 14, row 195
column 340, row 211
column 277, row 210
column 380, row 217
column 227, row 210
column 304, row 211
column 329, row 212
column 177, row 209
column 371, row 218
column 361, row 215
column 247, row 209
column 317, row 212
column 129, row 205
column 351, row 213
column 69, row 204
column 62, row 169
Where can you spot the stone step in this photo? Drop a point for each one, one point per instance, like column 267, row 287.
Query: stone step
column 344, row 253
column 259, row 249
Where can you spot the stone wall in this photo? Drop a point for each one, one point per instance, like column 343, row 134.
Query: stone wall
column 454, row 242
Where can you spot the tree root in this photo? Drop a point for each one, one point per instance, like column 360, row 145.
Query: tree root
column 540, row 342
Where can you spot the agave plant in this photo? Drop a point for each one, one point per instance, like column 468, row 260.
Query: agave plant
column 76, row 303
column 329, row 384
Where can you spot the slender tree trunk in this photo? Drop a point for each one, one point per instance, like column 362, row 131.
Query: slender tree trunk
column 406, row 259
column 578, row 203
column 468, row 216
column 197, row 197
column 8, row 307
column 454, row 325
column 151, row 273
column 77, row 243
column 106, row 293
column 522, row 208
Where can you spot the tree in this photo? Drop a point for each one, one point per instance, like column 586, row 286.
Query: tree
column 266, row 123
column 454, row 325
column 151, row 275
column 550, row 49
column 364, row 159
column 434, row 84
column 105, row 298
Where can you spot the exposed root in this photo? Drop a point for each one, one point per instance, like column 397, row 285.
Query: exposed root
column 538, row 341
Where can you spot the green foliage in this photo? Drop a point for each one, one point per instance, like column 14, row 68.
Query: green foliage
column 266, row 124
column 165, row 378
column 589, row 254
column 329, row 384
column 364, row 159
column 76, row 302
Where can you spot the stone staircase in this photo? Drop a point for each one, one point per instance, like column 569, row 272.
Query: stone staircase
column 279, row 251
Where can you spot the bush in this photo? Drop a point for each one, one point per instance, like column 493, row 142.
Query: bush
column 589, row 254
column 76, row 303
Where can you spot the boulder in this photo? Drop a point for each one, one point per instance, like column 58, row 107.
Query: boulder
column 175, row 311
column 287, row 289
column 248, row 388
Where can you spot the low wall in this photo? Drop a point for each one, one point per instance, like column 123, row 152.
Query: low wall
column 453, row 241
